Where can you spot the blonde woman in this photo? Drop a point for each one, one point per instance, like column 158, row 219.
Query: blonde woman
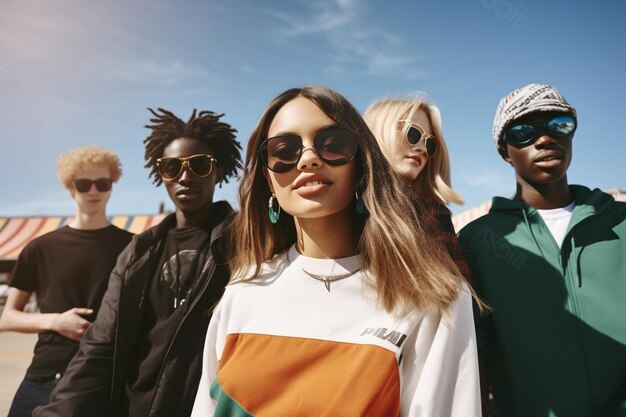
column 408, row 130
column 338, row 305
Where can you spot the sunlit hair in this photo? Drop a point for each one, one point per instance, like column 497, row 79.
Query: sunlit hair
column 204, row 126
column 76, row 161
column 390, row 118
column 408, row 270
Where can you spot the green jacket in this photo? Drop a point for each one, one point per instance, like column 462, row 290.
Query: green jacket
column 555, row 341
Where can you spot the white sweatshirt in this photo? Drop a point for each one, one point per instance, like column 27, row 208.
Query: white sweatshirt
column 285, row 345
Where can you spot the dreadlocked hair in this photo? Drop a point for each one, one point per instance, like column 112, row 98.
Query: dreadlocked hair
column 204, row 126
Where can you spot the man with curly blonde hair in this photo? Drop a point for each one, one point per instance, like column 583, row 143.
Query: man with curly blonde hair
column 68, row 270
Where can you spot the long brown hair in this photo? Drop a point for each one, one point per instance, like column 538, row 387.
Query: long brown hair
column 407, row 270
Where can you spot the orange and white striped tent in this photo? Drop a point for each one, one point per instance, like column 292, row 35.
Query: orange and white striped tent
column 16, row 232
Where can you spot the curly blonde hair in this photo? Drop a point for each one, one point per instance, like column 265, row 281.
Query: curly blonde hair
column 389, row 118
column 75, row 161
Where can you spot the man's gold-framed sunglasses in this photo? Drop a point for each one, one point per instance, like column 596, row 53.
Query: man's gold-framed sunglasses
column 200, row 165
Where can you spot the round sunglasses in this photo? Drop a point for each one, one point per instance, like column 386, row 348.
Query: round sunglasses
column 524, row 134
column 83, row 185
column 200, row 165
column 415, row 133
column 334, row 146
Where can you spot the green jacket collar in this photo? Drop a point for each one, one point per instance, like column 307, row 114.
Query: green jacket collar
column 588, row 203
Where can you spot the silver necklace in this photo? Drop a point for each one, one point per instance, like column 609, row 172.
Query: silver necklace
column 327, row 279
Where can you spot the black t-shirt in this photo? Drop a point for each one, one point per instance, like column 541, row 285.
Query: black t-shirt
column 175, row 283
column 66, row 268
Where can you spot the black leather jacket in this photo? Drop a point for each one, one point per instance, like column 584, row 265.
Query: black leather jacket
column 96, row 376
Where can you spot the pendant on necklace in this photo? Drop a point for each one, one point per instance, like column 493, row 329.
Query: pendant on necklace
column 327, row 279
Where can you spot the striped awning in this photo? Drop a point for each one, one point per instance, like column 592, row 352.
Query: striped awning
column 460, row 220
column 16, row 232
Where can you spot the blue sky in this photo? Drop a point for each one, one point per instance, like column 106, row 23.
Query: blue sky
column 73, row 73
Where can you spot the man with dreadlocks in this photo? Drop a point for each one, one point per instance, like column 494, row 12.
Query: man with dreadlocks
column 143, row 354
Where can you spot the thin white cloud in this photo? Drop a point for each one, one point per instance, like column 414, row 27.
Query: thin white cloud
column 377, row 36
column 322, row 16
column 490, row 180
column 166, row 73
column 381, row 63
column 37, row 38
column 60, row 104
column 354, row 44
column 58, row 203
column 248, row 69
column 369, row 51
column 25, row 35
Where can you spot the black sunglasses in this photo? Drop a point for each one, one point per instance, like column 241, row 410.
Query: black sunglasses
column 83, row 185
column 200, row 165
column 415, row 133
column 524, row 134
column 334, row 146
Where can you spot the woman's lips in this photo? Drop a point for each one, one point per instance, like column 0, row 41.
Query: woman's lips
column 311, row 188
column 416, row 159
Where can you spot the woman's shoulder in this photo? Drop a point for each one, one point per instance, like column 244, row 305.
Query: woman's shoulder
column 462, row 305
column 268, row 272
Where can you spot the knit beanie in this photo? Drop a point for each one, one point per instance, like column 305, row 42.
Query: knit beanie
column 529, row 99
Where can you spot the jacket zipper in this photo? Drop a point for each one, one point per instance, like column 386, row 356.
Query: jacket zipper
column 571, row 288
column 570, row 278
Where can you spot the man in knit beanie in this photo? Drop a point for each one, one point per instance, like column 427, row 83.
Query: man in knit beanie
column 550, row 261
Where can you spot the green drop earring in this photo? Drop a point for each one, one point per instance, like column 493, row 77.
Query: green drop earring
column 359, row 206
column 273, row 215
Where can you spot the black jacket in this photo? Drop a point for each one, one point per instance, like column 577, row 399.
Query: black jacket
column 96, row 376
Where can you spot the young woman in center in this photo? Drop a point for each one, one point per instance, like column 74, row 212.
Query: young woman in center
column 338, row 306
column 408, row 130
